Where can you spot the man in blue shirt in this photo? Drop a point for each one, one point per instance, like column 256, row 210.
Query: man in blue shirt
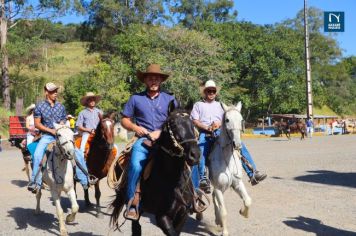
column 150, row 110
column 46, row 113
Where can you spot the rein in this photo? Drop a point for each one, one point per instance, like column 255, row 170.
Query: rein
column 176, row 144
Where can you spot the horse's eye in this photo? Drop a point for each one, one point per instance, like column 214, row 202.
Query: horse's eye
column 227, row 120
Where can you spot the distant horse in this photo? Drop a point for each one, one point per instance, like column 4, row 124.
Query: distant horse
column 297, row 126
column 58, row 175
column 225, row 169
column 101, row 155
column 168, row 192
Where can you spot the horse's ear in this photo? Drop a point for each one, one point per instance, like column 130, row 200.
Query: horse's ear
column 171, row 107
column 223, row 105
column 56, row 126
column 239, row 106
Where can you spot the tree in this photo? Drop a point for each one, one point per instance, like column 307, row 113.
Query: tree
column 189, row 56
column 192, row 13
column 108, row 80
column 21, row 9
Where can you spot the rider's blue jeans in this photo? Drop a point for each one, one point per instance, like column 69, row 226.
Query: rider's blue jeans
column 248, row 156
column 205, row 144
column 138, row 161
column 79, row 173
column 38, row 155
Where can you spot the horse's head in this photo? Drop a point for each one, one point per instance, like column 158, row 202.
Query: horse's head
column 233, row 124
column 64, row 141
column 180, row 130
column 107, row 131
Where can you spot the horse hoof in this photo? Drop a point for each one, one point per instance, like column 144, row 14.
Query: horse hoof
column 64, row 232
column 99, row 215
column 88, row 204
column 37, row 212
column 70, row 218
column 244, row 213
column 199, row 216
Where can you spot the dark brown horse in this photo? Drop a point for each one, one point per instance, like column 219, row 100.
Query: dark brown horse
column 101, row 155
column 166, row 193
column 288, row 127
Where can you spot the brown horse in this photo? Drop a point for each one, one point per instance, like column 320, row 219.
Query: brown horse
column 101, row 155
column 291, row 127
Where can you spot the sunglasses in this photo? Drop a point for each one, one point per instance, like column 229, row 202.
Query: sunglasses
column 211, row 91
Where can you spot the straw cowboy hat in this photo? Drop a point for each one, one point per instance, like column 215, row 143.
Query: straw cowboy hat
column 209, row 84
column 70, row 116
column 153, row 69
column 84, row 99
column 30, row 108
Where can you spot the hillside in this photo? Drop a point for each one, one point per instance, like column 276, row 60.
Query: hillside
column 64, row 60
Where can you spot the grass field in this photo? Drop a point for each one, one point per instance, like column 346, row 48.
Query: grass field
column 64, row 60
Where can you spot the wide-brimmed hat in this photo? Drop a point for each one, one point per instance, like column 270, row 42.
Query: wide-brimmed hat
column 30, row 108
column 51, row 87
column 209, row 84
column 88, row 95
column 153, row 69
column 70, row 116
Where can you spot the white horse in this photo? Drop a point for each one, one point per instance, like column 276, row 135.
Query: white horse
column 58, row 175
column 225, row 168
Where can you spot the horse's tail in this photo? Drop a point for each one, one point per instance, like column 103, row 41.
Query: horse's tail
column 117, row 204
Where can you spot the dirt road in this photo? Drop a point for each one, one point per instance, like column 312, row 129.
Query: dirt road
column 310, row 190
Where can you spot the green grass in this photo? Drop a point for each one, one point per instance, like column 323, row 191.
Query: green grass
column 325, row 110
column 64, row 60
column 4, row 122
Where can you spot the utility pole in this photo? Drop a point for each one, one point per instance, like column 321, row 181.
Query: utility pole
column 307, row 66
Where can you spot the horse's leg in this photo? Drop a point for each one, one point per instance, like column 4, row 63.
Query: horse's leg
column 60, row 215
column 136, row 228
column 219, row 198
column 27, row 169
column 216, row 210
column 86, row 197
column 97, row 197
column 180, row 218
column 72, row 197
column 38, row 198
column 165, row 223
column 240, row 188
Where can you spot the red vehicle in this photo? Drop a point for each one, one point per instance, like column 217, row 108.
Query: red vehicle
column 18, row 134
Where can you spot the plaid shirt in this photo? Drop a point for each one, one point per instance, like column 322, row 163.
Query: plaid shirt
column 49, row 114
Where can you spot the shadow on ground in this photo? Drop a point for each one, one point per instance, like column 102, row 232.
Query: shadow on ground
column 44, row 221
column 329, row 178
column 316, row 226
column 19, row 183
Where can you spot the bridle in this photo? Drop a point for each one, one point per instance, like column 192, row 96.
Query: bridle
column 60, row 145
column 176, row 144
column 228, row 131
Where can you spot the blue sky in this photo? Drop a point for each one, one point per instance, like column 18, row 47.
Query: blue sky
column 273, row 11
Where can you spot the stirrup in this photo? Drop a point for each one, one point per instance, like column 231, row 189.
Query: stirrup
column 133, row 217
column 201, row 201
column 92, row 180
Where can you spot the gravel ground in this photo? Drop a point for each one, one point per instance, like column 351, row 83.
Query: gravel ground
column 310, row 190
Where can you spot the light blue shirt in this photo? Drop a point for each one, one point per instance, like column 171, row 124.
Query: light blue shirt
column 88, row 118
